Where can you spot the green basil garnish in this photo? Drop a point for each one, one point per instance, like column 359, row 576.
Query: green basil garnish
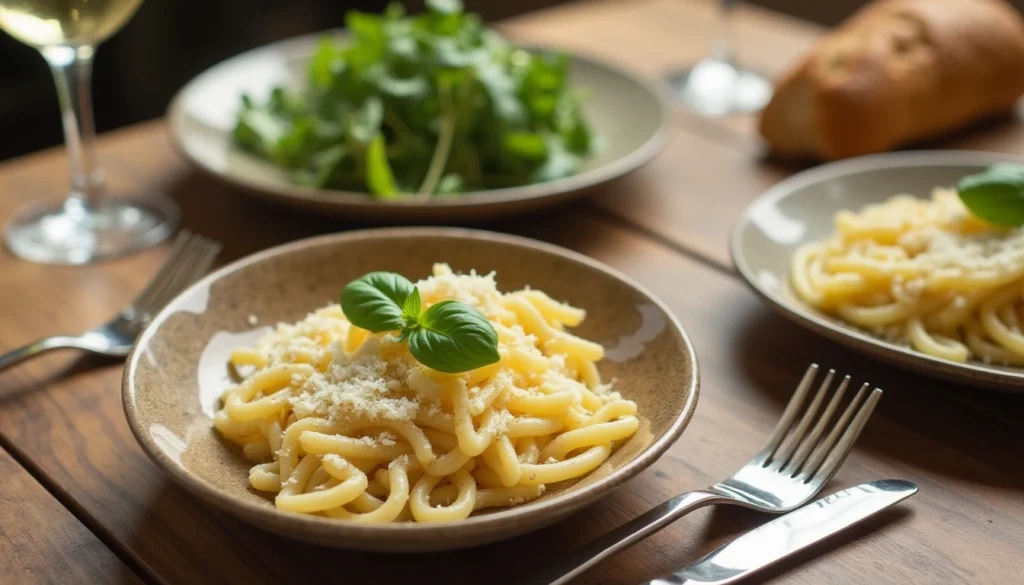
column 449, row 337
column 996, row 194
column 374, row 301
column 453, row 337
column 411, row 306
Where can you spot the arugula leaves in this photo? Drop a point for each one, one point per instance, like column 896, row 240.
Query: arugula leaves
column 996, row 194
column 449, row 336
column 434, row 103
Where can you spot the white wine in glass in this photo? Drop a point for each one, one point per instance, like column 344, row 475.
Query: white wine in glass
column 88, row 225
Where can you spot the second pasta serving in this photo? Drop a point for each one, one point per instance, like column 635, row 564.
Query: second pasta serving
column 928, row 273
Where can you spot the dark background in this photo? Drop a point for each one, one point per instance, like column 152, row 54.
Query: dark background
column 170, row 41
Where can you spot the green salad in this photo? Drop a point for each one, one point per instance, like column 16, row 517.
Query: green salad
column 415, row 106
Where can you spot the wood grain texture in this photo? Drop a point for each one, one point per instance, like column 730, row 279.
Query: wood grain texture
column 42, row 542
column 963, row 449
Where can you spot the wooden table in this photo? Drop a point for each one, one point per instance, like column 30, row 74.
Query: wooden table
column 80, row 503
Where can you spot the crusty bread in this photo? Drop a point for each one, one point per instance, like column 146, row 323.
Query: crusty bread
column 898, row 71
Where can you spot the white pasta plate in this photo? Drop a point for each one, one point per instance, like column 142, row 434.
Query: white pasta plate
column 629, row 115
column 800, row 210
column 175, row 379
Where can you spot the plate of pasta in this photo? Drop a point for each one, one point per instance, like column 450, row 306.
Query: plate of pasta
column 409, row 389
column 898, row 255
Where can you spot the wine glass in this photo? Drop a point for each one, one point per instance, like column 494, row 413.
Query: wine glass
column 87, row 225
column 717, row 85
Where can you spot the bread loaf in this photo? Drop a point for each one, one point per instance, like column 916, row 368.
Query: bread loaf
column 898, row 71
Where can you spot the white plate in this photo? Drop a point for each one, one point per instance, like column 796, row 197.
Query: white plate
column 800, row 210
column 630, row 116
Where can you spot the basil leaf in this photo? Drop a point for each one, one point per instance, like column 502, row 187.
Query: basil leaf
column 454, row 337
column 374, row 301
column 995, row 195
column 411, row 306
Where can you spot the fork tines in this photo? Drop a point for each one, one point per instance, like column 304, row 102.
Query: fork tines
column 190, row 256
column 797, row 448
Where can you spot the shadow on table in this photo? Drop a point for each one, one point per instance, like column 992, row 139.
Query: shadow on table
column 245, row 224
column 997, row 133
column 982, row 425
column 127, row 576
column 41, row 372
column 242, row 223
column 225, row 549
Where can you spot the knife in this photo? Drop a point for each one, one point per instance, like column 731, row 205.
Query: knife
column 786, row 535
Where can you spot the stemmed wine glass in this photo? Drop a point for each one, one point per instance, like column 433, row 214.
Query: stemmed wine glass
column 717, row 85
column 87, row 225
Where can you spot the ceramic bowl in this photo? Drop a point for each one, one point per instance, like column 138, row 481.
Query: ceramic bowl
column 801, row 209
column 174, row 377
column 630, row 115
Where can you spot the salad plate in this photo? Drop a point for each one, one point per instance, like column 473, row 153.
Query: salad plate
column 627, row 117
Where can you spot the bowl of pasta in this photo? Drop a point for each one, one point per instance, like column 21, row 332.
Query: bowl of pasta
column 897, row 255
column 409, row 389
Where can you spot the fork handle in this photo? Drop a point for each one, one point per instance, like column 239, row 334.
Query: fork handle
column 651, row 521
column 16, row 356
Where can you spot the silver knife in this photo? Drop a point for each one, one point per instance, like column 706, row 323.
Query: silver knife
column 786, row 535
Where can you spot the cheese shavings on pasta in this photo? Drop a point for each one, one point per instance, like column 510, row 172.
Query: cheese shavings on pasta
column 924, row 273
column 346, row 423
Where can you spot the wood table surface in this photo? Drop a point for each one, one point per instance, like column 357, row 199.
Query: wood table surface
column 80, row 502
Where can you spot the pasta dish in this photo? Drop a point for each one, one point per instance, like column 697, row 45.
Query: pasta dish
column 922, row 272
column 344, row 422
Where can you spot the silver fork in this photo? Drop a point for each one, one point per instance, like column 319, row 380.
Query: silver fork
column 189, row 258
column 792, row 466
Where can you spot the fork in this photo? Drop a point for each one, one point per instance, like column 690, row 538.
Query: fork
column 189, row 258
column 792, row 466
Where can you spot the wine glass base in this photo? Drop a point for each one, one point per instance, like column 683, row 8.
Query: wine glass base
column 70, row 233
column 717, row 87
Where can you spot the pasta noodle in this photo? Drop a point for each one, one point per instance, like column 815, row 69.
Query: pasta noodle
column 345, row 423
column 922, row 272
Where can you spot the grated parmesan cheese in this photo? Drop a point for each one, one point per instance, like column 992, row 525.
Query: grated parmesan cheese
column 335, row 459
column 364, row 386
column 480, row 292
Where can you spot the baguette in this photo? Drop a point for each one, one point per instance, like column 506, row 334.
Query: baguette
column 898, row 71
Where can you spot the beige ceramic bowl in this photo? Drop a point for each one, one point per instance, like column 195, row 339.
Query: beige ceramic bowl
column 800, row 209
column 174, row 377
column 629, row 115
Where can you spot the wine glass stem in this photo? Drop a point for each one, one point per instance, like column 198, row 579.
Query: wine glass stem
column 721, row 43
column 72, row 74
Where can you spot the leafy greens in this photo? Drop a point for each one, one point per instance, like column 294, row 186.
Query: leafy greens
column 434, row 103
